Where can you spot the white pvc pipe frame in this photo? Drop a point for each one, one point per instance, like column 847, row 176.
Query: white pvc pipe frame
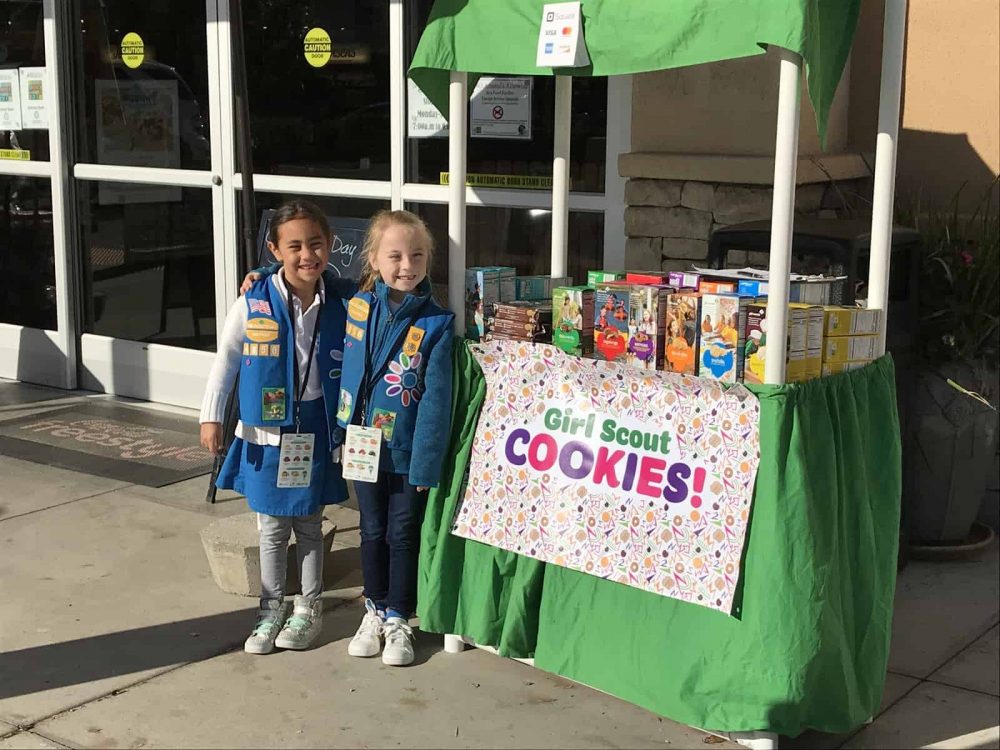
column 782, row 210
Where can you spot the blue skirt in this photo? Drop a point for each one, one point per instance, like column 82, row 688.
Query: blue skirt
column 252, row 470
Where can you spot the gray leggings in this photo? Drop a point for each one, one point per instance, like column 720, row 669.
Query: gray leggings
column 275, row 532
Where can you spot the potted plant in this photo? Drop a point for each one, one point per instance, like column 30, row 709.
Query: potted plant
column 950, row 445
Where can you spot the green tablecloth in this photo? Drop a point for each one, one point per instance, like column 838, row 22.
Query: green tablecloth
column 635, row 36
column 809, row 642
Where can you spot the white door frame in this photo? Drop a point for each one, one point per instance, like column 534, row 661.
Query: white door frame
column 175, row 375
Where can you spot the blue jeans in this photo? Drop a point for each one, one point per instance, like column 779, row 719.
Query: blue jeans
column 391, row 513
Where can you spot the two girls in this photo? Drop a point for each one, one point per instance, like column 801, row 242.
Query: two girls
column 396, row 378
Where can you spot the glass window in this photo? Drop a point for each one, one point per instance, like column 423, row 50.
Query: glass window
column 23, row 125
column 519, row 237
column 514, row 152
column 27, row 259
column 328, row 115
column 148, row 263
column 142, row 87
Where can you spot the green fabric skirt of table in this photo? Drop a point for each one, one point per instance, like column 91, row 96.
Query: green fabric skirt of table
column 808, row 642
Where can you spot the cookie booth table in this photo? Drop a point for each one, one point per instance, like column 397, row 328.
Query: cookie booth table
column 807, row 643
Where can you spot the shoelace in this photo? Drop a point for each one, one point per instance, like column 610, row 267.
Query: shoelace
column 298, row 622
column 371, row 624
column 396, row 630
column 265, row 625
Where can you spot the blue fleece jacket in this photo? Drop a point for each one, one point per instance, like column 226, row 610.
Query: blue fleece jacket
column 397, row 376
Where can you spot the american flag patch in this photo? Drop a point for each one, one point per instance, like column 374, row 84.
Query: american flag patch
column 260, row 306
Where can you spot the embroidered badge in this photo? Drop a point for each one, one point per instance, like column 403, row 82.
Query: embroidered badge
column 255, row 349
column 405, row 379
column 246, row 348
column 413, row 338
column 260, row 306
column 355, row 332
column 262, row 330
column 357, row 308
column 385, row 421
column 338, row 362
column 344, row 410
column 275, row 350
column 272, row 404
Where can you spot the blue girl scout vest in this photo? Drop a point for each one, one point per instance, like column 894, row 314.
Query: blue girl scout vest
column 267, row 381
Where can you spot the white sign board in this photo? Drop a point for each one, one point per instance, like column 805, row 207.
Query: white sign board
column 501, row 108
column 10, row 99
column 560, row 38
column 423, row 118
column 34, row 113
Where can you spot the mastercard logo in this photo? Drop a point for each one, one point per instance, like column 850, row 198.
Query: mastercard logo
column 567, row 30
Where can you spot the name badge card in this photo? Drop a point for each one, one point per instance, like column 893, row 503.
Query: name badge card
column 560, row 40
column 361, row 452
column 295, row 461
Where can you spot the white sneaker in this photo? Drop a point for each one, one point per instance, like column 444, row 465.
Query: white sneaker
column 368, row 640
column 398, row 642
column 303, row 626
column 266, row 629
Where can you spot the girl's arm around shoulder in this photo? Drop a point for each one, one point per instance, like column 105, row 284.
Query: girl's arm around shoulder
column 432, row 432
column 337, row 286
column 226, row 364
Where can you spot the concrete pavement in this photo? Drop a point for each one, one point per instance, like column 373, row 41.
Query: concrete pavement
column 113, row 634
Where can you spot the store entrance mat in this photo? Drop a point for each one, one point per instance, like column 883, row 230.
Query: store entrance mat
column 110, row 440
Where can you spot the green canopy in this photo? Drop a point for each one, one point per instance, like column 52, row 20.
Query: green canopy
column 636, row 36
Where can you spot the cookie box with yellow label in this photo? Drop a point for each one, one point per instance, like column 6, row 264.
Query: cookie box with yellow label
column 851, row 321
column 849, row 348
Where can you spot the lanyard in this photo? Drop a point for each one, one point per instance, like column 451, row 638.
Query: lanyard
column 300, row 388
column 371, row 379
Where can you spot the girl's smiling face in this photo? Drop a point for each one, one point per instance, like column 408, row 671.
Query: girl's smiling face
column 303, row 251
column 400, row 260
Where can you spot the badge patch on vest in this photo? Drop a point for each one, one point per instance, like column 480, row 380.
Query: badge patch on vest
column 344, row 410
column 262, row 329
column 272, row 407
column 385, row 421
column 255, row 349
column 357, row 308
column 413, row 338
column 355, row 332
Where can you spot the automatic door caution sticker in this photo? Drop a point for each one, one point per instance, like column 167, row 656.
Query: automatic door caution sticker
column 316, row 47
column 133, row 50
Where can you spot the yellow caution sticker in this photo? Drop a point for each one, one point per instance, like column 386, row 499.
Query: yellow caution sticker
column 133, row 50
column 517, row 181
column 358, row 309
column 412, row 343
column 316, row 47
column 16, row 154
column 262, row 330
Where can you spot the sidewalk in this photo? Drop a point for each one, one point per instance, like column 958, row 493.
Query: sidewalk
column 113, row 634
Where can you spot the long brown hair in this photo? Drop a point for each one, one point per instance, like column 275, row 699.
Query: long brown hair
column 380, row 222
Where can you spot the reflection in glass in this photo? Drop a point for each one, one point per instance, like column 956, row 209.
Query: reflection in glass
column 427, row 158
column 518, row 237
column 148, row 265
column 23, row 125
column 143, row 92
column 27, row 259
column 320, row 118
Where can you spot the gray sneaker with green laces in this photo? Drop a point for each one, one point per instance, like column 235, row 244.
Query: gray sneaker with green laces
column 303, row 626
column 270, row 619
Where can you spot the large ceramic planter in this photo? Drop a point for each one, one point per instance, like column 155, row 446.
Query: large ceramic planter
column 949, row 453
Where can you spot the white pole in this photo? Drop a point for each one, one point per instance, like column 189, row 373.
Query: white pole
column 560, row 174
column 893, row 37
column 458, row 98
column 786, row 148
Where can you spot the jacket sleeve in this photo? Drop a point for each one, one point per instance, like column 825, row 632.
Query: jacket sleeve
column 267, row 270
column 336, row 286
column 432, row 432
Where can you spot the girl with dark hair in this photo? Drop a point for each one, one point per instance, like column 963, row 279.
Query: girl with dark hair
column 285, row 337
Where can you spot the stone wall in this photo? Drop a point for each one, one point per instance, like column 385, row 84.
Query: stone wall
column 669, row 222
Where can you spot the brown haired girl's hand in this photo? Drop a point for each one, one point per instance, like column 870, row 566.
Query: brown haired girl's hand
column 211, row 437
column 422, row 489
column 248, row 281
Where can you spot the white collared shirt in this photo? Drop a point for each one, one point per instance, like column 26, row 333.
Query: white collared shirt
column 229, row 353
